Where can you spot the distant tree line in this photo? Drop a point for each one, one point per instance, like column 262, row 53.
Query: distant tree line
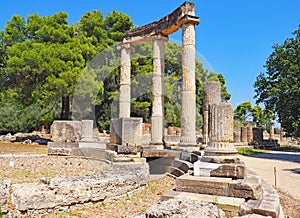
column 42, row 59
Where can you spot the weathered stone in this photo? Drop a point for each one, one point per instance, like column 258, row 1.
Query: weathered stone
column 229, row 205
column 249, row 134
column 244, row 134
column 203, row 185
column 175, row 171
column 229, row 171
column 4, row 195
column 62, row 148
column 126, row 131
column 182, row 208
column 110, row 185
column 65, row 131
column 125, row 149
column 237, row 135
column 87, row 131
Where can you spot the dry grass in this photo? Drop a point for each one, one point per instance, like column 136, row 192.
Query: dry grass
column 17, row 148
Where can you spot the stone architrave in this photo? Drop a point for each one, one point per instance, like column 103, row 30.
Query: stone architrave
column 212, row 94
column 157, row 118
column 220, row 148
column 271, row 134
column 125, row 81
column 87, row 130
column 188, row 91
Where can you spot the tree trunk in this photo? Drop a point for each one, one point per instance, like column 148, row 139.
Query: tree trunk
column 65, row 109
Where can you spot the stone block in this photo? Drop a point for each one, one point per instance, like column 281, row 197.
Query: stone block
column 175, row 171
column 62, row 148
column 4, row 195
column 65, row 131
column 183, row 165
column 126, row 131
column 87, row 130
column 126, row 149
column 236, row 171
column 229, row 205
column 203, row 185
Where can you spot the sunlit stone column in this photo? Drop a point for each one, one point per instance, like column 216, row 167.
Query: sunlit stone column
column 188, row 92
column 220, row 148
column 125, row 83
column 157, row 118
column 212, row 94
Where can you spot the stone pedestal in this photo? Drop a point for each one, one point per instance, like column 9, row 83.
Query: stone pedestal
column 125, row 81
column 257, row 135
column 87, row 131
column 220, row 148
column 126, row 132
column 65, row 131
column 188, row 92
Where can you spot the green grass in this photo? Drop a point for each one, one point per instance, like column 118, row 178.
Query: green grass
column 249, row 151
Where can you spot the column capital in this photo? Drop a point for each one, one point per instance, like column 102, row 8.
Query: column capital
column 126, row 45
column 159, row 37
column 188, row 19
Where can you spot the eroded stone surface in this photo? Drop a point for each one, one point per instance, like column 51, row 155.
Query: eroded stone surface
column 179, row 208
column 4, row 195
column 65, row 131
column 110, row 185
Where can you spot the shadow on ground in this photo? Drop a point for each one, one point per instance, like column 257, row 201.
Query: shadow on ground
column 279, row 155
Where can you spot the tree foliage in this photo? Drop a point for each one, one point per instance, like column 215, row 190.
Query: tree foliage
column 279, row 87
column 50, row 69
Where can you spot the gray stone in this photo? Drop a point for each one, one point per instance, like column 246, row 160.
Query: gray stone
column 126, row 131
column 229, row 170
column 182, row 208
column 4, row 195
column 65, row 131
column 87, row 131
column 111, row 185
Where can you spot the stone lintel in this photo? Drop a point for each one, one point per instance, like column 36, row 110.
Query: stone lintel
column 165, row 26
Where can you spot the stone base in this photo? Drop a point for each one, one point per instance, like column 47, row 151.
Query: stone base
column 126, row 131
column 220, row 152
column 89, row 144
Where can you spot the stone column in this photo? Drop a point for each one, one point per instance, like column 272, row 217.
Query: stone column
column 249, row 134
column 212, row 94
column 237, row 135
column 271, row 135
column 220, row 148
column 282, row 136
column 157, row 118
column 244, row 133
column 125, row 81
column 188, row 91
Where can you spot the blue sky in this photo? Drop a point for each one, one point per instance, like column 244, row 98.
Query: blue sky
column 235, row 36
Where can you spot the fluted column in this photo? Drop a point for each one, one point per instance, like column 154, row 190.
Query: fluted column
column 212, row 94
column 220, row 148
column 188, row 92
column 125, row 82
column 157, row 118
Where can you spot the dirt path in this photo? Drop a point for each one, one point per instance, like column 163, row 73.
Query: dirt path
column 287, row 169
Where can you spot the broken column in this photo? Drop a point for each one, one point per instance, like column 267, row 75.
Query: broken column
column 249, row 134
column 157, row 118
column 244, row 133
column 125, row 82
column 212, row 94
column 220, row 148
column 271, row 134
column 188, row 92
